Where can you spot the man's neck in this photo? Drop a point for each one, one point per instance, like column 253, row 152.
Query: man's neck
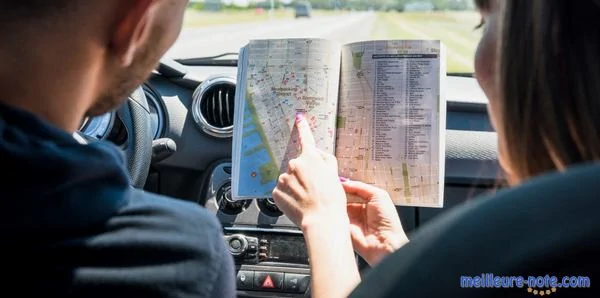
column 63, row 117
column 55, row 90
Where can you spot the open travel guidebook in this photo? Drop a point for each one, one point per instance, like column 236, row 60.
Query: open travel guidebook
column 378, row 106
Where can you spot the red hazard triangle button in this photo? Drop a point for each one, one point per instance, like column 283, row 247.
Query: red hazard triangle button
column 268, row 283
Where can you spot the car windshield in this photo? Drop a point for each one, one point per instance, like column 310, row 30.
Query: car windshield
column 215, row 27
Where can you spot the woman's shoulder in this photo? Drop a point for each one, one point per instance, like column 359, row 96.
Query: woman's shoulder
column 544, row 225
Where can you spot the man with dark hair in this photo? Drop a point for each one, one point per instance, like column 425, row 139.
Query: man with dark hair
column 71, row 224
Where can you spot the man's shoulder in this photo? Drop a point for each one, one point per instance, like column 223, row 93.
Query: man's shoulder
column 180, row 227
column 153, row 246
column 175, row 213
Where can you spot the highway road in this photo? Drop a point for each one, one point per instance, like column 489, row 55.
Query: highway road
column 214, row 40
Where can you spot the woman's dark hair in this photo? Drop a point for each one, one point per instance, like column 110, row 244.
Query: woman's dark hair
column 549, row 85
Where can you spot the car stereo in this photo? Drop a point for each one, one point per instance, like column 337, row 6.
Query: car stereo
column 253, row 248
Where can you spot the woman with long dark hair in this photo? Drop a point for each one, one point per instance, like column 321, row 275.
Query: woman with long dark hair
column 538, row 62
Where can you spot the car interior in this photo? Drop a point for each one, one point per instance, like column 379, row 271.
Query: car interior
column 176, row 131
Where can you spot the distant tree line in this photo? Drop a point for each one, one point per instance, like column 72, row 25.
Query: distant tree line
column 387, row 5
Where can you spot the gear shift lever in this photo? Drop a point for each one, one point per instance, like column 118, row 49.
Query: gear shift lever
column 162, row 149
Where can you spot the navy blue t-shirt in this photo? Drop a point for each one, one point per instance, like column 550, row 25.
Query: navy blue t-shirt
column 72, row 226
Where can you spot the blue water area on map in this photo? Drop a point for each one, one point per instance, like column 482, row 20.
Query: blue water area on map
column 252, row 144
column 249, row 128
column 251, row 141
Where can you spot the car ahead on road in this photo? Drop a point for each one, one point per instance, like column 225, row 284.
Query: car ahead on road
column 303, row 10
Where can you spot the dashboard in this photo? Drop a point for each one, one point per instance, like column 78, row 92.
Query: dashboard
column 193, row 106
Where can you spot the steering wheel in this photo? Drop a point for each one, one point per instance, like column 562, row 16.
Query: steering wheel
column 135, row 116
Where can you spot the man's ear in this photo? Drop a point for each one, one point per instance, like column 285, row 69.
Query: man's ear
column 132, row 30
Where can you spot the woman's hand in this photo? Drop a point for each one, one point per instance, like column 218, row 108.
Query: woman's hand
column 310, row 193
column 374, row 225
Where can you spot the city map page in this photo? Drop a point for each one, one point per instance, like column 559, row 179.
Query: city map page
column 386, row 125
column 283, row 77
column 390, row 130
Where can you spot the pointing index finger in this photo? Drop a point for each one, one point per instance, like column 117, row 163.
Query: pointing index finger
column 307, row 141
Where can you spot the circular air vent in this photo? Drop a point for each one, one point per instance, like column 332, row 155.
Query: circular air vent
column 157, row 111
column 98, row 127
column 213, row 106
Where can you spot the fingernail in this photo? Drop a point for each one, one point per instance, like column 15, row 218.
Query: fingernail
column 344, row 179
column 299, row 117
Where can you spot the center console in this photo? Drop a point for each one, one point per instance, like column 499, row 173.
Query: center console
column 269, row 250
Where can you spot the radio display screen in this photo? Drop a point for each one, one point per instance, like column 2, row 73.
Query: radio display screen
column 287, row 249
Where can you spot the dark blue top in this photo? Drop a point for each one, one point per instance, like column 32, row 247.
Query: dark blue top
column 71, row 225
column 542, row 234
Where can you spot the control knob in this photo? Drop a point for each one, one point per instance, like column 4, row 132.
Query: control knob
column 226, row 202
column 270, row 205
column 237, row 244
